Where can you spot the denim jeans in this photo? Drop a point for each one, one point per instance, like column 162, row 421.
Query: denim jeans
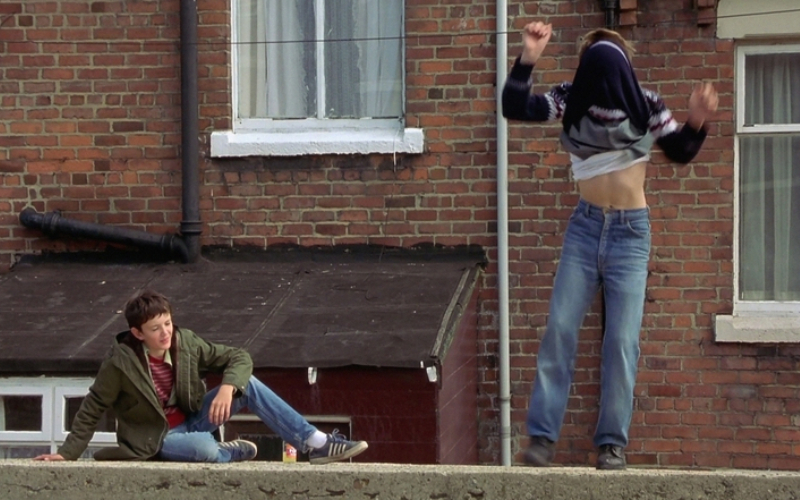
column 608, row 249
column 192, row 440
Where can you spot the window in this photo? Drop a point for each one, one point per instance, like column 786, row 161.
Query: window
column 36, row 415
column 768, row 134
column 767, row 234
column 318, row 75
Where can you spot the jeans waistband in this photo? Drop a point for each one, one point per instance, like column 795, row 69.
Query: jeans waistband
column 617, row 215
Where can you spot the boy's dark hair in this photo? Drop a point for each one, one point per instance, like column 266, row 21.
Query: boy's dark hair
column 145, row 306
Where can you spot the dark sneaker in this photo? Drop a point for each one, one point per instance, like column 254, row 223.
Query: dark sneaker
column 540, row 452
column 240, row 450
column 336, row 448
column 611, row 457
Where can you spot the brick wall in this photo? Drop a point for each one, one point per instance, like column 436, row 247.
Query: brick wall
column 89, row 116
column 89, row 124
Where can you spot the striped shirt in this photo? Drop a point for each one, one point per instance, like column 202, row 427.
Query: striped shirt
column 163, row 380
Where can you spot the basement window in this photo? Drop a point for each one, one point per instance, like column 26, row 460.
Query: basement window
column 36, row 414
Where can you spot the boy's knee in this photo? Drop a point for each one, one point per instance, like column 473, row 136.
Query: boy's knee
column 251, row 382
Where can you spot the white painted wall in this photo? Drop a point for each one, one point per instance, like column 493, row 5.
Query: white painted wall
column 748, row 18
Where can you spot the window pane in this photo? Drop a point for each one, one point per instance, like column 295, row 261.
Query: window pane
column 276, row 59
column 770, row 218
column 20, row 413
column 363, row 59
column 108, row 422
column 772, row 89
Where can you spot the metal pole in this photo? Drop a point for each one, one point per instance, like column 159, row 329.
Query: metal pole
column 502, row 237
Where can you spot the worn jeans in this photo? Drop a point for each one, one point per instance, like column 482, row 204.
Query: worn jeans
column 192, row 440
column 608, row 249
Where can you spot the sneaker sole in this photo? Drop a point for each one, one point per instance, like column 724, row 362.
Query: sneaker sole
column 611, row 467
column 355, row 450
column 538, row 463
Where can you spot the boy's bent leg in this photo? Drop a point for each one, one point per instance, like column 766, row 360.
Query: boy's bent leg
column 292, row 427
column 275, row 413
column 182, row 446
column 202, row 447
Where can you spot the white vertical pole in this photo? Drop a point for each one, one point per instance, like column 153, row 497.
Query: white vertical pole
column 502, row 237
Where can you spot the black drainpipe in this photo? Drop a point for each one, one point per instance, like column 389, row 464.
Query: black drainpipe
column 53, row 224
column 187, row 246
column 611, row 7
column 191, row 226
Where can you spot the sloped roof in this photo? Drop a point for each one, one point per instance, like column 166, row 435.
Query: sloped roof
column 288, row 309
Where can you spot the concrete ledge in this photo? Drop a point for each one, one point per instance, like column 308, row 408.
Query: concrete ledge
column 89, row 480
column 757, row 328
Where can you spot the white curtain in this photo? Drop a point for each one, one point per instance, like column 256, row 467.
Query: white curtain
column 272, row 69
column 251, row 53
column 770, row 181
column 362, row 59
column 364, row 64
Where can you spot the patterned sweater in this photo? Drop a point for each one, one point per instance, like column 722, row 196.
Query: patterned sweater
column 601, row 129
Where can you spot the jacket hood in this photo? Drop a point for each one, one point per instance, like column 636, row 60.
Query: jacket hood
column 127, row 350
column 126, row 338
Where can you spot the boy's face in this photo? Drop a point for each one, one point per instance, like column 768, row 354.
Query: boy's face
column 156, row 334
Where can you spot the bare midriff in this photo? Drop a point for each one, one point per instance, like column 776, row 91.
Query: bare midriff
column 620, row 190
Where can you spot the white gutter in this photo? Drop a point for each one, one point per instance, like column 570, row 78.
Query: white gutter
column 502, row 235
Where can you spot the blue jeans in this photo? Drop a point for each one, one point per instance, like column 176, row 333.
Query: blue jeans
column 608, row 249
column 192, row 440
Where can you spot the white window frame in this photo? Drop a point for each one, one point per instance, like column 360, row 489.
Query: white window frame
column 312, row 136
column 46, row 432
column 61, row 393
column 53, row 392
column 755, row 321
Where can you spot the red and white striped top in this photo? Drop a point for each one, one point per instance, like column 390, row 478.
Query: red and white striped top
column 163, row 380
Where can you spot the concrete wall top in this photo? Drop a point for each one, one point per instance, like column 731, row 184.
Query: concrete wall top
column 89, row 480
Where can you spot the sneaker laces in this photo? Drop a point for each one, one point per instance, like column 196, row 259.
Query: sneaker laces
column 337, row 437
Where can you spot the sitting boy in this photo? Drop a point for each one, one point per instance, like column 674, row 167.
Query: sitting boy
column 152, row 381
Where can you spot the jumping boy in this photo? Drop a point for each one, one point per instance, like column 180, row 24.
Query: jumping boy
column 152, row 381
column 609, row 125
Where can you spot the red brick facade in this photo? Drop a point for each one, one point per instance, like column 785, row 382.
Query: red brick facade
column 90, row 125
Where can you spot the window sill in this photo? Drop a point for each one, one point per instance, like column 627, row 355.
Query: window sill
column 757, row 329
column 227, row 144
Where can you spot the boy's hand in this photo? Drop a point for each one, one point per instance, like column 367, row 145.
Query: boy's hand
column 220, row 410
column 534, row 39
column 702, row 104
column 50, row 458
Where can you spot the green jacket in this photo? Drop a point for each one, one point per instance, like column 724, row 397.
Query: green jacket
column 124, row 384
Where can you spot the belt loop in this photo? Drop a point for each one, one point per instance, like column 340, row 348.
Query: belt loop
column 587, row 208
column 622, row 219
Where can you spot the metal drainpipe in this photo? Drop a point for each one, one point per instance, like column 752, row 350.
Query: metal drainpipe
column 187, row 248
column 611, row 6
column 502, row 237
column 191, row 225
column 53, row 224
